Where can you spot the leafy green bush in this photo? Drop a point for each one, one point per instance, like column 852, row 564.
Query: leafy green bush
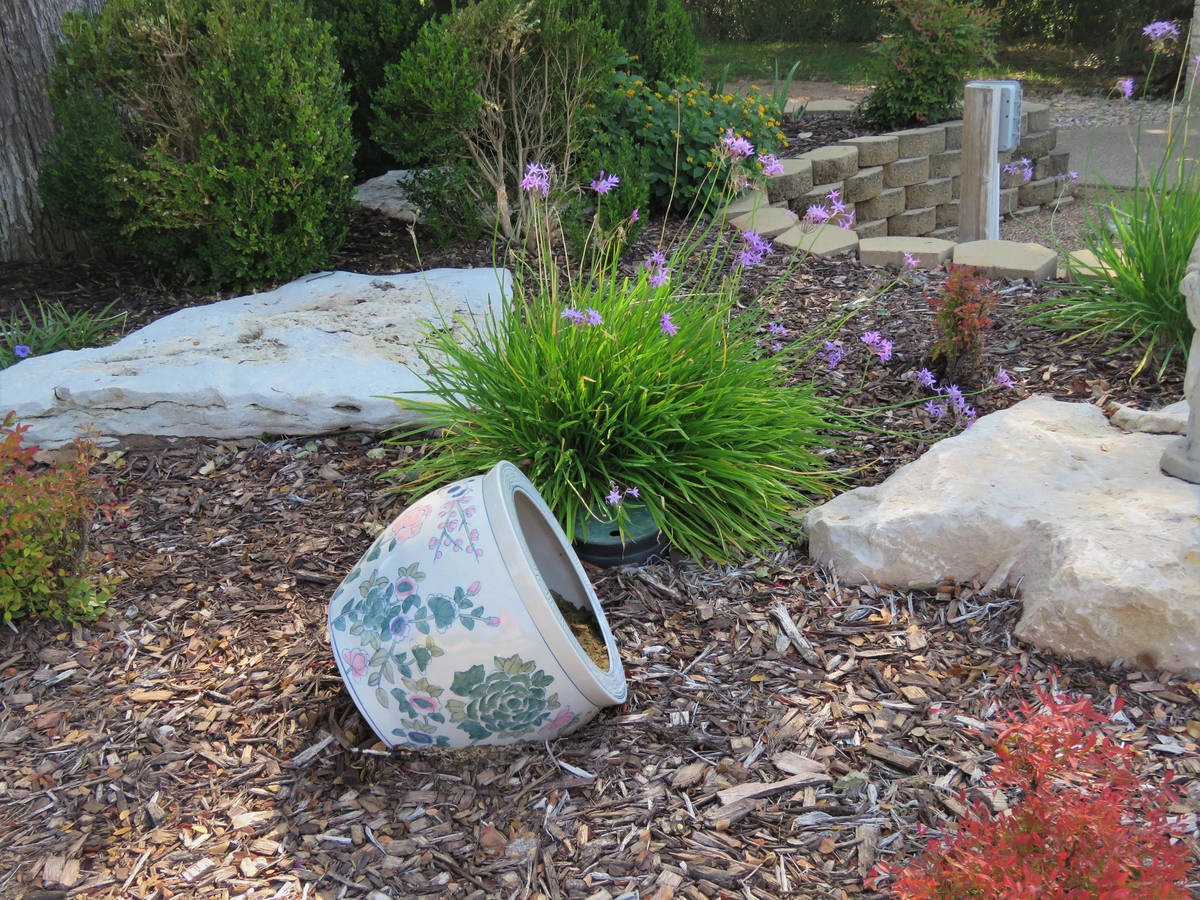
column 618, row 212
column 768, row 20
column 657, row 33
column 209, row 136
column 45, row 517
column 681, row 125
column 500, row 84
column 605, row 389
column 368, row 35
column 927, row 57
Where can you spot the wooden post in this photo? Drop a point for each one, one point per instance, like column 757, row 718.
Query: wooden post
column 979, row 199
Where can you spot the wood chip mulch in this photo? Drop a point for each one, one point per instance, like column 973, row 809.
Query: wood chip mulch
column 197, row 740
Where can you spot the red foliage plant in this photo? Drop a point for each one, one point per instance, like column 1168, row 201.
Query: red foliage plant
column 45, row 520
column 1083, row 825
column 961, row 314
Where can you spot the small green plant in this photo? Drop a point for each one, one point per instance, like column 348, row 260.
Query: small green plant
column 496, row 84
column 207, row 136
column 926, row 57
column 605, row 388
column 50, row 327
column 447, row 198
column 45, row 519
column 658, row 34
column 1083, row 825
column 1141, row 241
column 680, row 125
column 961, row 309
column 781, row 88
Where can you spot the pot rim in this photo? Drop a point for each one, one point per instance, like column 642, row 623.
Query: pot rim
column 501, row 488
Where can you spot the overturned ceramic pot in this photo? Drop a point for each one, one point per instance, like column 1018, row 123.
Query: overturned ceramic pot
column 448, row 632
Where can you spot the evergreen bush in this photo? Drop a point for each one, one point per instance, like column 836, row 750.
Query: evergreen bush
column 208, row 136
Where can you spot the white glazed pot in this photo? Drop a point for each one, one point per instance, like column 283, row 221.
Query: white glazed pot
column 446, row 633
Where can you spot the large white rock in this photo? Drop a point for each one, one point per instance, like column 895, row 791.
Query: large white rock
column 311, row 357
column 1050, row 496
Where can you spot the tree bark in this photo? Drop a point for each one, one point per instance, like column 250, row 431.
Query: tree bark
column 29, row 32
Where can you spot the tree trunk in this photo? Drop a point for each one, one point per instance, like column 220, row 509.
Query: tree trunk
column 29, row 32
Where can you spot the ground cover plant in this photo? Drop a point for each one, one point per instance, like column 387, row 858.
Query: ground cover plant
column 48, row 327
column 197, row 740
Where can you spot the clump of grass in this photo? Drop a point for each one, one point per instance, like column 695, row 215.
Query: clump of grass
column 50, row 327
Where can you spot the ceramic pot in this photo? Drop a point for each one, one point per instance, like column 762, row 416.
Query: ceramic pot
column 447, row 635
column 598, row 539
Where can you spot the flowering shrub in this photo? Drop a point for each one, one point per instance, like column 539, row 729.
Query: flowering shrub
column 613, row 387
column 44, row 522
column 680, row 124
column 961, row 310
column 1083, row 826
column 925, row 59
column 1141, row 240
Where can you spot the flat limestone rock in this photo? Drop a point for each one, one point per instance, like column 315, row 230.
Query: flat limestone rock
column 1051, row 496
column 307, row 358
column 1171, row 419
column 388, row 193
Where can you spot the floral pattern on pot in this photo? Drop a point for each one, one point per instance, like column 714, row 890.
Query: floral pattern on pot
column 395, row 625
column 455, row 534
column 510, row 702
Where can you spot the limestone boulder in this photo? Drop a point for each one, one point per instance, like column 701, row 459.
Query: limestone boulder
column 1052, row 497
column 315, row 356
column 389, row 194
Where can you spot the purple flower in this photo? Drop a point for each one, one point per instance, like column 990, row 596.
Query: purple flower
column 771, row 164
column 656, row 260
column 756, row 248
column 1003, row 379
column 837, row 206
column 776, row 328
column 573, row 315
column 1161, row 32
column 1072, row 175
column 910, row 261
column 633, row 216
column 591, row 317
column 968, row 414
column 925, row 378
column 21, row 351
column 833, row 195
column 614, row 496
column 738, row 146
column 935, row 409
column 667, row 326
column 832, row 353
column 656, row 265
column 884, row 350
column 871, row 338
column 660, row 277
column 605, row 183
column 1125, row 85
column 954, row 393
column 847, row 221
column 537, row 178
column 632, row 492
column 776, row 347
column 817, row 214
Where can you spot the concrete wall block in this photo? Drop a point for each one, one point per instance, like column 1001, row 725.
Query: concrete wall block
column 831, row 164
column 818, row 194
column 1035, row 117
column 1057, row 163
column 890, row 202
column 873, row 229
column 1011, row 179
column 948, row 233
column 797, row 178
column 953, row 134
column 955, row 187
column 946, row 214
column 921, row 141
column 913, row 222
column 945, row 164
column 1037, row 193
column 906, row 171
column 864, row 185
column 875, row 150
column 1036, row 143
column 928, row 193
column 1008, row 201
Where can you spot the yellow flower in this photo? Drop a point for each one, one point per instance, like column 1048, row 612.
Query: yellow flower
column 629, row 93
column 689, row 159
column 639, row 82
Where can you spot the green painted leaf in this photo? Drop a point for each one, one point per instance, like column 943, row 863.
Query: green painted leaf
column 474, row 730
column 541, row 680
column 387, row 673
column 468, row 624
column 382, row 697
column 373, row 680
column 464, row 682
column 477, row 612
column 340, row 623
column 373, row 553
column 421, row 656
column 443, row 612
column 423, row 626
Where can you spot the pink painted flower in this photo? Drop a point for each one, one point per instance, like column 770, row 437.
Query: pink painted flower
column 564, row 716
column 424, row 703
column 356, row 662
column 473, row 589
column 409, row 522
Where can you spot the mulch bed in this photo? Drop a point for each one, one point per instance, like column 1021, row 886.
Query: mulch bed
column 197, row 740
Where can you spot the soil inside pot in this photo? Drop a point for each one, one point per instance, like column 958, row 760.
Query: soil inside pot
column 585, row 628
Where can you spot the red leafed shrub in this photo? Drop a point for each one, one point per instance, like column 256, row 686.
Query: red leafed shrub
column 45, row 517
column 1083, row 825
column 961, row 311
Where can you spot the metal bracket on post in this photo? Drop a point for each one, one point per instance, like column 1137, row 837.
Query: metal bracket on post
column 991, row 124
